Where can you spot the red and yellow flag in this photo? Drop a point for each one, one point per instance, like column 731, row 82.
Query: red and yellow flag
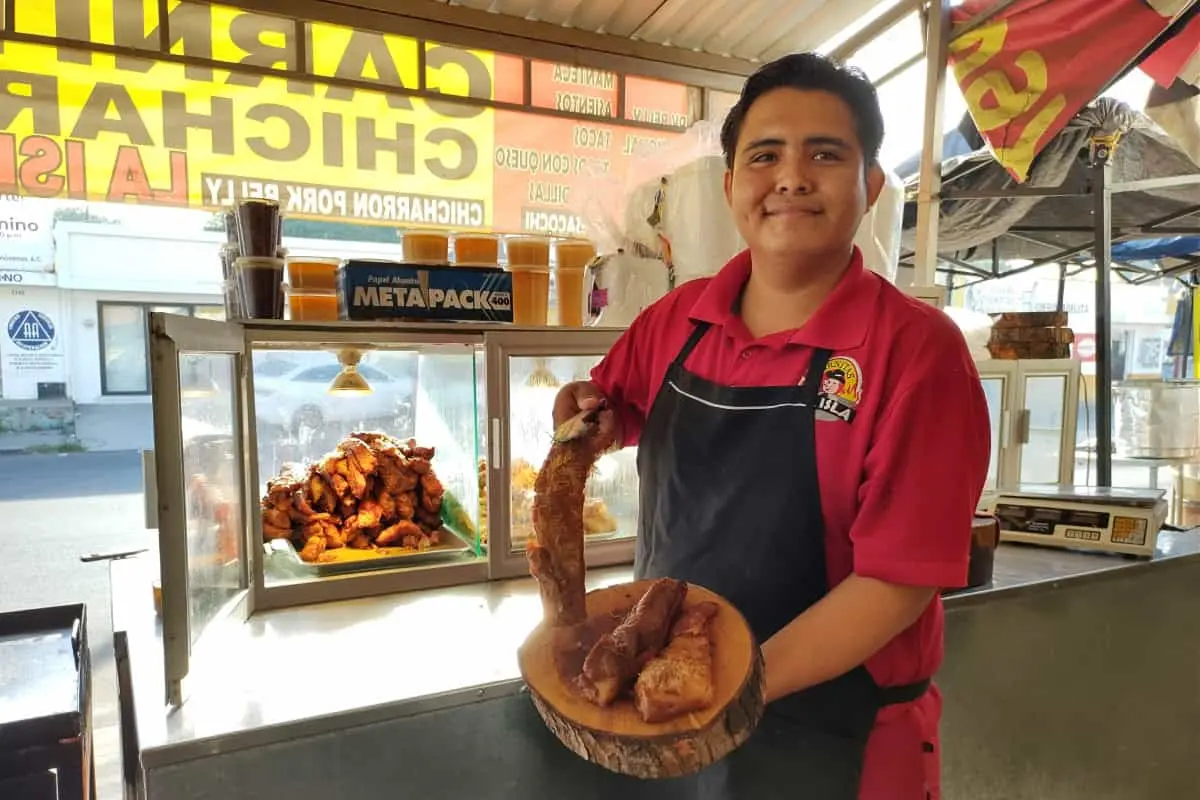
column 1030, row 68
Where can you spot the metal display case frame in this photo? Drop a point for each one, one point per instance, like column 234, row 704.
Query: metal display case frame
column 172, row 336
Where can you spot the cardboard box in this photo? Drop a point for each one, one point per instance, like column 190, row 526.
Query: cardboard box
column 389, row 290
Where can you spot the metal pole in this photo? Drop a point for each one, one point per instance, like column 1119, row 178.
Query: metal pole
column 1101, row 167
column 928, row 196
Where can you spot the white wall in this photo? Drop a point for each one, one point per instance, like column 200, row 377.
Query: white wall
column 329, row 248
column 83, row 339
column 121, row 258
column 115, row 258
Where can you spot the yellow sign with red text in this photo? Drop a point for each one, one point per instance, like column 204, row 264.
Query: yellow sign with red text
column 92, row 126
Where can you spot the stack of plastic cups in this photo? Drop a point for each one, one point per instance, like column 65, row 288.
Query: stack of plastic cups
column 235, row 307
column 229, row 252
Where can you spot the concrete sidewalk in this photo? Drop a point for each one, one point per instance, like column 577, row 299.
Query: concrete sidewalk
column 127, row 426
column 98, row 428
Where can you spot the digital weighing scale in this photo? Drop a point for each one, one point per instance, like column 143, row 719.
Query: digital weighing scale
column 1111, row 520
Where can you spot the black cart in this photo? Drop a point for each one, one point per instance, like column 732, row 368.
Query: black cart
column 46, row 705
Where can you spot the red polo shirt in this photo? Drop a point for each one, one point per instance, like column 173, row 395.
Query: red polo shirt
column 899, row 478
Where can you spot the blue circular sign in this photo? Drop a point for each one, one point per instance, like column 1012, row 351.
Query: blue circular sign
column 31, row 330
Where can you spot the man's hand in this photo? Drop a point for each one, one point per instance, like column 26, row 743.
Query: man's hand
column 845, row 628
column 585, row 396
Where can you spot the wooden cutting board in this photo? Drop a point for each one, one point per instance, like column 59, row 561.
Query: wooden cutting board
column 616, row 738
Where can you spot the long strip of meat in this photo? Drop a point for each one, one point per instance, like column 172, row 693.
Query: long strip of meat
column 555, row 552
column 680, row 679
column 616, row 659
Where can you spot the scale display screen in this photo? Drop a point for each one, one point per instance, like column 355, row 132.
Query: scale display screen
column 1043, row 520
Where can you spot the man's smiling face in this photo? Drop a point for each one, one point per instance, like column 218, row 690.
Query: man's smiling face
column 799, row 185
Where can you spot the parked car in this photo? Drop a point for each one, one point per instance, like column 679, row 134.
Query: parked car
column 295, row 396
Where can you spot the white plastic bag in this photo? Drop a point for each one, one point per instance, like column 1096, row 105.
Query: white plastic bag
column 696, row 220
column 976, row 328
column 879, row 232
column 624, row 286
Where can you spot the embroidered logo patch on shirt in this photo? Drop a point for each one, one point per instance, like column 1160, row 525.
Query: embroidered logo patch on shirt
column 840, row 390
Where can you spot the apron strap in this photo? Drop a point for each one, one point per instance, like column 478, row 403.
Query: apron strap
column 816, row 371
column 698, row 332
column 895, row 695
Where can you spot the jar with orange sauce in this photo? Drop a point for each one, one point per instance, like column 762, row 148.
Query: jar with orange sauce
column 313, row 306
column 426, row 247
column 529, row 263
column 476, row 249
column 312, row 274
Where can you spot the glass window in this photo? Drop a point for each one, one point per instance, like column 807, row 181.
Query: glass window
column 323, row 374
column 273, row 368
column 1042, row 454
column 610, row 504
column 124, row 350
column 993, row 389
column 124, row 366
column 213, row 488
column 373, row 375
column 719, row 105
column 577, row 90
column 462, row 166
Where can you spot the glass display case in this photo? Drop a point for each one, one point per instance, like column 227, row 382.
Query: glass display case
column 307, row 462
column 528, row 369
column 1032, row 404
column 373, row 448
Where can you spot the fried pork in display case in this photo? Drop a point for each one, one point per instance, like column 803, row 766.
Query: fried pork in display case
column 372, row 498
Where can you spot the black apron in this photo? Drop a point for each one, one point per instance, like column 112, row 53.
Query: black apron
column 730, row 500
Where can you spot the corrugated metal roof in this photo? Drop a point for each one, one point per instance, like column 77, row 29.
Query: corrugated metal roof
column 751, row 30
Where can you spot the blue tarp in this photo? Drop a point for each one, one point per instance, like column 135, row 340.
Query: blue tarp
column 1150, row 249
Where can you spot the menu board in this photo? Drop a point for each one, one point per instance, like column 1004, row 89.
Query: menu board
column 657, row 102
column 576, row 90
column 545, row 172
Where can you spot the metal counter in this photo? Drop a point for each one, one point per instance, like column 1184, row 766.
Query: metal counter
column 1071, row 676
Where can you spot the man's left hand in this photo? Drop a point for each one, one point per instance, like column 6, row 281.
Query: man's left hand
column 844, row 629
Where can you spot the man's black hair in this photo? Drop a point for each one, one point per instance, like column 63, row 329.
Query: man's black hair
column 811, row 72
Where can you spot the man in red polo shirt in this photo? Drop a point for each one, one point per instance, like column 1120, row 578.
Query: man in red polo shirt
column 811, row 444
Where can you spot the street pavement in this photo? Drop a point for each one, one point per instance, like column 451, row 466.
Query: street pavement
column 56, row 508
